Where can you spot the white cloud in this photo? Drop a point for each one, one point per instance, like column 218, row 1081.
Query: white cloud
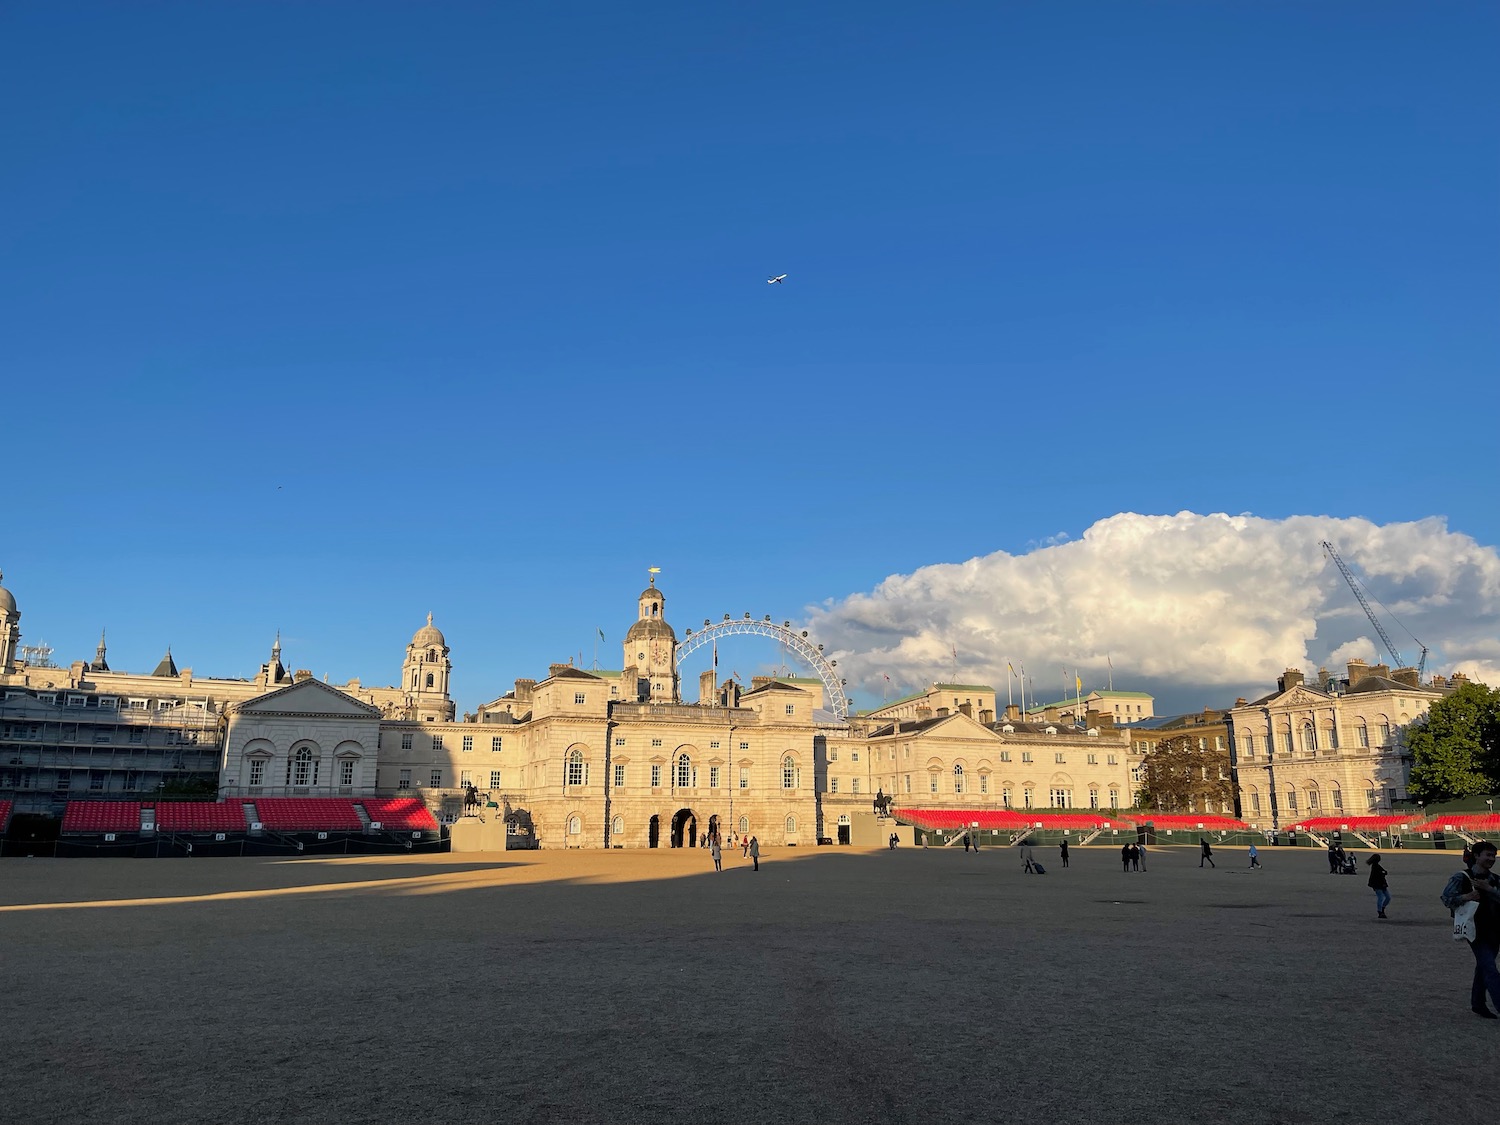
column 1195, row 608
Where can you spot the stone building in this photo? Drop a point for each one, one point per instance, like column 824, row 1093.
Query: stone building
column 1330, row 747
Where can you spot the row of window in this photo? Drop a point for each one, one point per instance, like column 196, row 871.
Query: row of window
column 684, row 773
column 1311, row 800
column 1310, row 739
column 107, row 702
column 617, row 826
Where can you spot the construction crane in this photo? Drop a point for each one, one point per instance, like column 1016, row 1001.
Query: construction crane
column 1370, row 613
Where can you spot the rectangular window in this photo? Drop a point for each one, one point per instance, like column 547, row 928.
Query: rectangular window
column 64, row 780
column 405, row 782
column 984, row 783
column 1338, row 799
column 1026, row 798
column 854, row 786
column 1005, row 755
column 655, row 775
column 1312, row 800
column 1114, row 799
column 77, row 701
column 744, row 777
column 468, row 744
column 495, row 744
column 1005, row 796
column 744, row 746
column 1093, row 759
column 791, row 708
column 833, row 754
column 1059, row 759
column 346, row 772
column 1255, row 803
column 463, row 779
column 619, row 775
column 406, row 742
column 102, row 735
column 932, row 783
column 908, row 783
column 437, row 742
column 96, row 780
column 833, row 785
column 1112, row 760
column 854, row 756
column 713, row 745
column 579, row 697
column 257, row 772
column 1370, row 800
column 1025, row 755
column 437, row 779
column 656, row 742
column 713, row 777
column 107, row 704
column 494, row 779
column 1291, row 800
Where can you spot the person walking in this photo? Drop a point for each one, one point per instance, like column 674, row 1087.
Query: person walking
column 1477, row 883
column 1063, row 852
column 1026, row 865
column 1255, row 858
column 713, row 850
column 1208, row 853
column 1378, row 884
column 754, row 851
column 1125, row 859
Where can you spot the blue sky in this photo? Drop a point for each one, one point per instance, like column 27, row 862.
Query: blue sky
column 323, row 316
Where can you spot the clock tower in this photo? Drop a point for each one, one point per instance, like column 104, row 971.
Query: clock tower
column 651, row 649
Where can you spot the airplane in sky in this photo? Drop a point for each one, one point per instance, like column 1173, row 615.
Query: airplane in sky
column 776, row 280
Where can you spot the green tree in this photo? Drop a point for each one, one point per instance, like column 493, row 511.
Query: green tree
column 1177, row 776
column 1456, row 748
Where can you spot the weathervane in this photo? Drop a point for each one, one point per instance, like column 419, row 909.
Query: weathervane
column 653, row 571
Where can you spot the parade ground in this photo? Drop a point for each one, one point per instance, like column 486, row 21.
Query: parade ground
column 834, row 985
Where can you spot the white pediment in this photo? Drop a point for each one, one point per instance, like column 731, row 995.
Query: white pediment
column 309, row 697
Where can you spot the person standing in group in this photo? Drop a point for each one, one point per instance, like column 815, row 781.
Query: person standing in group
column 1140, row 855
column 1125, row 858
column 1378, row 884
column 713, row 850
column 754, row 850
column 1062, row 852
column 745, row 845
column 1333, row 858
column 1208, row 853
column 1255, row 858
column 1477, row 883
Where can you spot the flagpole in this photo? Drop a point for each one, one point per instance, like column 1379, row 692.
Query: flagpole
column 1111, row 671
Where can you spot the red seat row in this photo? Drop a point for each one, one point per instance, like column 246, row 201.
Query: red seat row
column 1190, row 821
column 403, row 814
column 5, row 807
column 308, row 814
column 1354, row 823
column 200, row 816
column 1464, row 822
column 102, row 816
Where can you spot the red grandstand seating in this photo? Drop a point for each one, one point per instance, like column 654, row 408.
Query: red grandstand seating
column 5, row 807
column 308, row 814
column 90, row 817
column 403, row 814
column 200, row 816
column 1008, row 820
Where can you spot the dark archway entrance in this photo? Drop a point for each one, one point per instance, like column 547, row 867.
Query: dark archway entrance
column 685, row 829
column 654, row 833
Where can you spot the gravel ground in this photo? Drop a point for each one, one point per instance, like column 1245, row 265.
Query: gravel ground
column 833, row 985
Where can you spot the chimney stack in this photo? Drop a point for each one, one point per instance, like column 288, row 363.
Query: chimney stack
column 706, row 691
column 1289, row 679
column 1358, row 670
column 1407, row 676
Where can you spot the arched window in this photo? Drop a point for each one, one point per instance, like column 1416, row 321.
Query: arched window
column 413, row 679
column 958, row 778
column 744, row 825
column 617, row 826
column 1336, row 795
column 1383, row 728
column 684, row 771
column 429, row 679
column 303, row 768
column 1313, row 804
column 791, row 824
column 432, row 656
column 575, row 825
column 577, row 771
column 1309, row 738
column 1362, row 734
column 789, row 772
column 1330, row 736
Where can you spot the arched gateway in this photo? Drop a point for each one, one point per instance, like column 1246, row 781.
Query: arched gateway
column 685, row 829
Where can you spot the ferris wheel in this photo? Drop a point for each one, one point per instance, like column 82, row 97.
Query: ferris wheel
column 797, row 643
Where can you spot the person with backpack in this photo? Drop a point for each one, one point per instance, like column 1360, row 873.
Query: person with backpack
column 1378, row 884
column 1254, row 858
column 1477, row 883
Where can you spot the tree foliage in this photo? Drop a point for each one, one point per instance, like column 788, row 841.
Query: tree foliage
column 1179, row 777
column 1455, row 748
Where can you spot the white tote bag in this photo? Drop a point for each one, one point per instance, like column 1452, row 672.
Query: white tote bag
column 1463, row 921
